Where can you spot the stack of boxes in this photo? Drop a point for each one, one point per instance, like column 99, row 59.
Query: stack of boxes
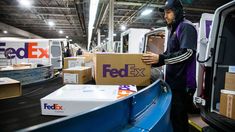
column 227, row 96
column 78, row 70
column 107, row 69
column 116, row 76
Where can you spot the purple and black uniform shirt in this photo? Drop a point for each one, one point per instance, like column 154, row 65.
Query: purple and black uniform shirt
column 180, row 57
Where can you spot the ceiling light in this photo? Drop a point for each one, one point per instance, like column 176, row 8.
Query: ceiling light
column 61, row 32
column 51, row 24
column 123, row 27
column 67, row 36
column 5, row 32
column 146, row 12
column 26, row 3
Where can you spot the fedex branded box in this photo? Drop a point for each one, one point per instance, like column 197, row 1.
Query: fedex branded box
column 121, row 69
column 72, row 99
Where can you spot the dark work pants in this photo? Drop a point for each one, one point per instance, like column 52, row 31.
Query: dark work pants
column 179, row 116
column 191, row 108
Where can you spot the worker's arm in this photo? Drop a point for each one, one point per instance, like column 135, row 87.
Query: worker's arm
column 175, row 57
column 172, row 58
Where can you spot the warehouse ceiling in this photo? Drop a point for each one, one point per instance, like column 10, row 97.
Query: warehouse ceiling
column 71, row 16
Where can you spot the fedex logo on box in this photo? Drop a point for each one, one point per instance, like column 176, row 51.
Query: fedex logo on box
column 53, row 107
column 129, row 70
column 30, row 50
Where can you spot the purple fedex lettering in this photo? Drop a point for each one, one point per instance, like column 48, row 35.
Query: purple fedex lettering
column 113, row 72
column 53, row 107
column 11, row 53
column 2, row 49
column 25, row 51
column 126, row 87
column 139, row 72
column 29, row 50
column 129, row 70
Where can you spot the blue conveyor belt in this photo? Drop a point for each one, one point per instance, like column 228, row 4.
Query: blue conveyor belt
column 146, row 110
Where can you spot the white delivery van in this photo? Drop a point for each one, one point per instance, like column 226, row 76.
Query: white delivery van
column 216, row 94
column 132, row 40
column 37, row 51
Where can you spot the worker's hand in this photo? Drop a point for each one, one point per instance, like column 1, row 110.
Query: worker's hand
column 150, row 58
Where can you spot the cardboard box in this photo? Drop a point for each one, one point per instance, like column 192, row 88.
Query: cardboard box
column 89, row 61
column 88, row 56
column 230, row 81
column 9, row 88
column 77, row 75
column 77, row 61
column 24, row 64
column 227, row 103
column 121, row 69
column 73, row 62
column 72, row 99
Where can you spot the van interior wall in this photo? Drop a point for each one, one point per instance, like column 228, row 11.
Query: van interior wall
column 155, row 44
column 125, row 43
column 226, row 55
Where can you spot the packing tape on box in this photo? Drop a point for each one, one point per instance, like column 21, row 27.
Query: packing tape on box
column 229, row 106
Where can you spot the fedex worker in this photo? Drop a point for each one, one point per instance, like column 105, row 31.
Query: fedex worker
column 180, row 61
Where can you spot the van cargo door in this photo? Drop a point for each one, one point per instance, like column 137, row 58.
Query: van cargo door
column 56, row 54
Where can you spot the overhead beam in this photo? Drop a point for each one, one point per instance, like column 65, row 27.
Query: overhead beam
column 57, row 29
column 45, row 26
column 160, row 5
column 41, row 7
column 104, row 14
column 43, row 14
column 80, row 14
column 17, row 31
column 38, row 24
column 35, row 19
column 101, row 14
column 144, row 18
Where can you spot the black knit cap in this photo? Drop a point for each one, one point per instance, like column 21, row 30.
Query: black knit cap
column 171, row 4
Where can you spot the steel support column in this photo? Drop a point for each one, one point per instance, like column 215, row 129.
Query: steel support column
column 111, row 27
column 98, row 36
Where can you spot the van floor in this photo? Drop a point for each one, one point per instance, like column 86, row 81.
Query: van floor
column 24, row 111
